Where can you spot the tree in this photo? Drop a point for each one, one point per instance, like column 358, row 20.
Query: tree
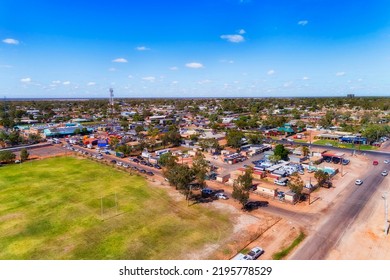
column 167, row 160
column 7, row 156
column 241, row 187
column 179, row 176
column 34, row 138
column 274, row 158
column 296, row 184
column 114, row 142
column 139, row 128
column 24, row 155
column 255, row 138
column 281, row 151
column 125, row 124
column 125, row 149
column 305, row 151
column 234, row 137
column 321, row 177
column 200, row 168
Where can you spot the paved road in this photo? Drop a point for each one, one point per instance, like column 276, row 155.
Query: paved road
column 343, row 214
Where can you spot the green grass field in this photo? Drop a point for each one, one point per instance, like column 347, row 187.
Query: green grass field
column 51, row 209
column 346, row 145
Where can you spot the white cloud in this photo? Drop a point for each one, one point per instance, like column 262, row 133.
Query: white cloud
column 175, row 82
column 271, row 72
column 91, row 84
column 142, row 48
column 226, row 61
column 150, row 78
column 120, row 60
column 241, row 31
column 5, row 66
column 11, row 41
column 130, row 76
column 56, row 82
column 339, row 74
column 305, row 78
column 112, row 69
column 25, row 80
column 204, row 82
column 303, row 22
column 174, row 68
column 66, row 83
column 195, row 65
column 233, row 38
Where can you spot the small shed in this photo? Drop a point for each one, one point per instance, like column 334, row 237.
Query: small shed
column 290, row 197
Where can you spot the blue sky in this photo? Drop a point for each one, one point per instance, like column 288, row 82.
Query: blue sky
column 219, row 48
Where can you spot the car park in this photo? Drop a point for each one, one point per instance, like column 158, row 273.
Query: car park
column 384, row 173
column 358, row 182
column 255, row 253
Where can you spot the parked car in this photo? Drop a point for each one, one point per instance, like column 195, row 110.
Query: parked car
column 126, row 165
column 375, row 162
column 119, row 163
column 358, row 182
column 157, row 166
column 221, row 196
column 281, row 182
column 135, row 160
column 252, row 205
column 241, row 257
column 345, row 161
column 206, row 192
column 387, row 161
column 384, row 173
column 142, row 171
column 150, row 173
column 113, row 161
column 255, row 253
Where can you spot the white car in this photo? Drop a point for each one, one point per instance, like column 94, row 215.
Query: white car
column 119, row 163
column 255, row 253
column 221, row 196
column 384, row 173
column 358, row 182
column 241, row 257
column 387, row 161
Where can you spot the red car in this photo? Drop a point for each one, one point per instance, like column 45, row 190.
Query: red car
column 375, row 162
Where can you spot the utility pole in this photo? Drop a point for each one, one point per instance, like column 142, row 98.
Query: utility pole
column 384, row 196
